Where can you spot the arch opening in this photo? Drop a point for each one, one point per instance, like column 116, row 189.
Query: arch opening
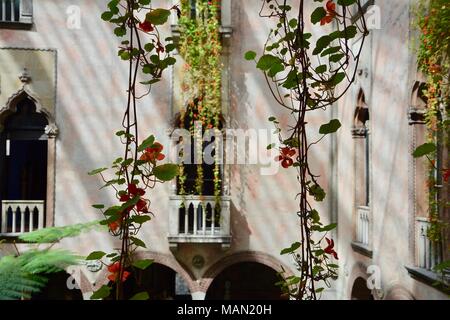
column 245, row 281
column 360, row 291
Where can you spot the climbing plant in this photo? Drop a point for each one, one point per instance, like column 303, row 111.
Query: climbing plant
column 305, row 75
column 432, row 18
column 138, row 170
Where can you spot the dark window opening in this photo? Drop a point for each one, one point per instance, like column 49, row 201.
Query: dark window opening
column 10, row 10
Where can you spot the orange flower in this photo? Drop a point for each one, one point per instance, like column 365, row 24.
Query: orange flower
column 115, row 271
column 153, row 154
column 113, row 226
column 331, row 13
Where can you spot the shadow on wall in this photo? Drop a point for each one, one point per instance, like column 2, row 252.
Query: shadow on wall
column 240, row 229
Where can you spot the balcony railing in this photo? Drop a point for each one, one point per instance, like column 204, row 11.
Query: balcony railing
column 428, row 252
column 20, row 216
column 197, row 219
column 363, row 226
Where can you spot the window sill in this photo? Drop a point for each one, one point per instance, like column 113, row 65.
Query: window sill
column 362, row 249
column 430, row 278
column 16, row 25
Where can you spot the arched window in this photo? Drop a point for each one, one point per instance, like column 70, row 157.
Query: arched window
column 26, row 163
column 362, row 173
column 362, row 150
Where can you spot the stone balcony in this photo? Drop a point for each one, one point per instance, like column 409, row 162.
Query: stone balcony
column 21, row 216
column 193, row 219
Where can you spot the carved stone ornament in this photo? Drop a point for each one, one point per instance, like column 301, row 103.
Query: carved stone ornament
column 51, row 130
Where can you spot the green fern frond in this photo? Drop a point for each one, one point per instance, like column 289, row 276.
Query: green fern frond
column 47, row 261
column 53, row 234
column 15, row 283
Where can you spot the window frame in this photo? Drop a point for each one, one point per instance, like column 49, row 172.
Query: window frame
column 25, row 16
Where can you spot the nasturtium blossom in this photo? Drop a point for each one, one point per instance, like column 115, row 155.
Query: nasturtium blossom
column 330, row 248
column 115, row 270
column 146, row 26
column 134, row 190
column 446, row 175
column 286, row 157
column 153, row 154
column 113, row 226
column 331, row 13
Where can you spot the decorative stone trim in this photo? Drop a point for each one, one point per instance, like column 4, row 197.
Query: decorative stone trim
column 416, row 116
column 359, row 132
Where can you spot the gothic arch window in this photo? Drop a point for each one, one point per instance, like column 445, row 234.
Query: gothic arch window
column 362, row 174
column 26, row 166
column 362, row 150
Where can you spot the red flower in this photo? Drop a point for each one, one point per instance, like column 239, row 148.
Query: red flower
column 286, row 157
column 146, row 26
column 331, row 6
column 113, row 226
column 134, row 190
column 159, row 48
column 329, row 249
column 115, row 271
column 331, row 13
column 141, row 206
column 124, row 198
column 446, row 175
column 153, row 154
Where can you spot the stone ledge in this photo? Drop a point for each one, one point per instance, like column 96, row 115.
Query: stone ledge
column 430, row 278
column 362, row 249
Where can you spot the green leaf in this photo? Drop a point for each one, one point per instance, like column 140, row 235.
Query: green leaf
column 318, row 14
column 150, row 81
column 149, row 47
column 140, row 296
column 145, row 2
column 337, row 78
column 98, row 206
column 166, row 172
column 158, row 16
column 107, row 15
column 138, row 242
column 321, row 44
column 96, row 255
column 349, row 32
column 329, row 227
column 97, row 171
column 147, row 143
column 330, row 127
column 267, row 61
column 424, row 149
column 291, row 249
column 120, row 31
column 337, row 57
column 321, row 69
column 101, row 293
column 250, row 55
column 141, row 219
column 276, row 68
column 346, row 2
column 330, row 50
column 143, row 264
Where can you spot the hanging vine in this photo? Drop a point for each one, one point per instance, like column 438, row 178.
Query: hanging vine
column 139, row 170
column 304, row 78
column 433, row 58
column 200, row 47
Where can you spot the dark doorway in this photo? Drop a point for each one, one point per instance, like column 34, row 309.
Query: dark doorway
column 360, row 290
column 245, row 281
column 159, row 281
column 57, row 289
